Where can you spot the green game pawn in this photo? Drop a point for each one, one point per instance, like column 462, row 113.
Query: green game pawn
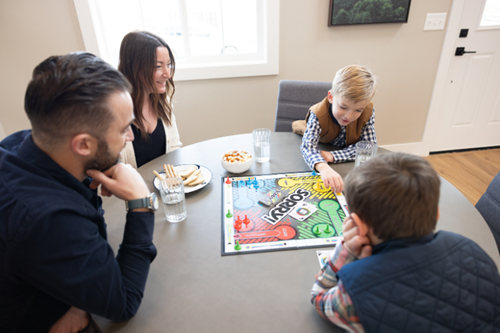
column 237, row 247
column 328, row 229
column 316, row 231
column 229, row 215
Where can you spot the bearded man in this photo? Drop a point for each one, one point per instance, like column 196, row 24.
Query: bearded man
column 56, row 265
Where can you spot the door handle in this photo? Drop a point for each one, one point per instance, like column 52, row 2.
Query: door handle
column 460, row 51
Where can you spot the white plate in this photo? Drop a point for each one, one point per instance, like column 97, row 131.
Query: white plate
column 207, row 174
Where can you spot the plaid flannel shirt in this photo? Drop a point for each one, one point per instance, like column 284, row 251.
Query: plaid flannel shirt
column 329, row 296
column 310, row 140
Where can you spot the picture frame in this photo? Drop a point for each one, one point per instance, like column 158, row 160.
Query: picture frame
column 353, row 12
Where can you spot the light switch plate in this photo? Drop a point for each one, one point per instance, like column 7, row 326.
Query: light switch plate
column 435, row 21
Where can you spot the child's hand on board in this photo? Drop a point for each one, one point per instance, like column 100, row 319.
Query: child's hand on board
column 330, row 178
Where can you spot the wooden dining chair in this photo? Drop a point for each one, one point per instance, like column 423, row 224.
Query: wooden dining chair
column 294, row 100
column 489, row 207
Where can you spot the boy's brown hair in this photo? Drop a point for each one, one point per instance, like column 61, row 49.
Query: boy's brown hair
column 395, row 194
column 355, row 83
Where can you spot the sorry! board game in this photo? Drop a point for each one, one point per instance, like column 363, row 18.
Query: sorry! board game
column 279, row 212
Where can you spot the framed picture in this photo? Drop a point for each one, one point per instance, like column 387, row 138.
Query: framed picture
column 349, row 12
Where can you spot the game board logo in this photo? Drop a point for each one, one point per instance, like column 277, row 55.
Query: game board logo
column 283, row 208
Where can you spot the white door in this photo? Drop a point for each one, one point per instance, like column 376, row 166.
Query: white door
column 469, row 113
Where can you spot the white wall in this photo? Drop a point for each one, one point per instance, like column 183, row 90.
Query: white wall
column 2, row 132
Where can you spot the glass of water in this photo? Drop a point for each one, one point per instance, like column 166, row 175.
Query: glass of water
column 364, row 151
column 262, row 144
column 174, row 201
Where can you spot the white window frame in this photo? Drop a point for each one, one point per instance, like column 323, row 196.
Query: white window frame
column 269, row 65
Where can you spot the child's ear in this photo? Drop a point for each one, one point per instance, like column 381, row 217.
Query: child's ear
column 330, row 97
column 362, row 227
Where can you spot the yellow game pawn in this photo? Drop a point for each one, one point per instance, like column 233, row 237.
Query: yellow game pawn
column 320, row 187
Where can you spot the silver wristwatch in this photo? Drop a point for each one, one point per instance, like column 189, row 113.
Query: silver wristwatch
column 150, row 202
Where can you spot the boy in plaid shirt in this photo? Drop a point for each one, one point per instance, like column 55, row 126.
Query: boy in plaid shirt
column 343, row 118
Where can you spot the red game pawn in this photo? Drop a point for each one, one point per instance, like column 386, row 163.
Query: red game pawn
column 228, row 181
column 237, row 226
column 238, row 223
column 246, row 221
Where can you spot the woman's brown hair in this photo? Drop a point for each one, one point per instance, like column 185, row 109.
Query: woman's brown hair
column 137, row 63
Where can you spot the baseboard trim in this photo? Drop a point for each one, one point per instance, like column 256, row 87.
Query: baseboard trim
column 462, row 150
column 414, row 148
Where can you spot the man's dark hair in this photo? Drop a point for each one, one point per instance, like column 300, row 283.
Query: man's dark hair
column 68, row 95
column 396, row 194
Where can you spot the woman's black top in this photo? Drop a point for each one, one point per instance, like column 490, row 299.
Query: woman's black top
column 152, row 147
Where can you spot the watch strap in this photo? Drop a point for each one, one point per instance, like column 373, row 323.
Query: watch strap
column 137, row 203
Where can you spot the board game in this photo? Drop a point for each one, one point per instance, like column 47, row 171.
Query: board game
column 279, row 212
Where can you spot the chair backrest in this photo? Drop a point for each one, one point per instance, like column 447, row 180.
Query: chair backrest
column 489, row 207
column 294, row 100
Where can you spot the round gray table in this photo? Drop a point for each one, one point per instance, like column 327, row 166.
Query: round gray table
column 192, row 288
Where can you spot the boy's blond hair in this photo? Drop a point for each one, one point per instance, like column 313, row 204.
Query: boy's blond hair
column 395, row 194
column 355, row 83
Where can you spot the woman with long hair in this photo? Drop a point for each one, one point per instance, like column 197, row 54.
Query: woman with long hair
column 148, row 63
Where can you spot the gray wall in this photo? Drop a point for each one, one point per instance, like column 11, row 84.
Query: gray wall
column 403, row 56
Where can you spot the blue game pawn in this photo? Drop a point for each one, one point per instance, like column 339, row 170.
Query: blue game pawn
column 256, row 186
column 314, row 173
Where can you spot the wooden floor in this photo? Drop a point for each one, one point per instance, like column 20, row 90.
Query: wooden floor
column 470, row 172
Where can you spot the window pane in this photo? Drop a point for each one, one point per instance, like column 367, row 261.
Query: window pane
column 162, row 18
column 491, row 14
column 205, row 28
column 240, row 25
column 209, row 38
column 222, row 26
column 111, row 30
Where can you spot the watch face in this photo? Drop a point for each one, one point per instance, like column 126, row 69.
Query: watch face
column 154, row 201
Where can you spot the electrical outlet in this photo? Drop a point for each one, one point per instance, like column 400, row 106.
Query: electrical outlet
column 435, row 21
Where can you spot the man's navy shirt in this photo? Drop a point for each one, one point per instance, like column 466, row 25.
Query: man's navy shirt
column 53, row 248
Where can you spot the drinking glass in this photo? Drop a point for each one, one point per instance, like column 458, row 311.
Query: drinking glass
column 262, row 144
column 174, row 201
column 364, row 151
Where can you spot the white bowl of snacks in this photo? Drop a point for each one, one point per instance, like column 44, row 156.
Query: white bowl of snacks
column 237, row 161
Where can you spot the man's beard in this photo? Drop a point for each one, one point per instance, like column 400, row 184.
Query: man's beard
column 103, row 159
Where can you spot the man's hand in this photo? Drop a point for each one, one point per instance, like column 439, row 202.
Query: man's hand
column 327, row 156
column 330, row 178
column 356, row 244
column 121, row 180
column 73, row 321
